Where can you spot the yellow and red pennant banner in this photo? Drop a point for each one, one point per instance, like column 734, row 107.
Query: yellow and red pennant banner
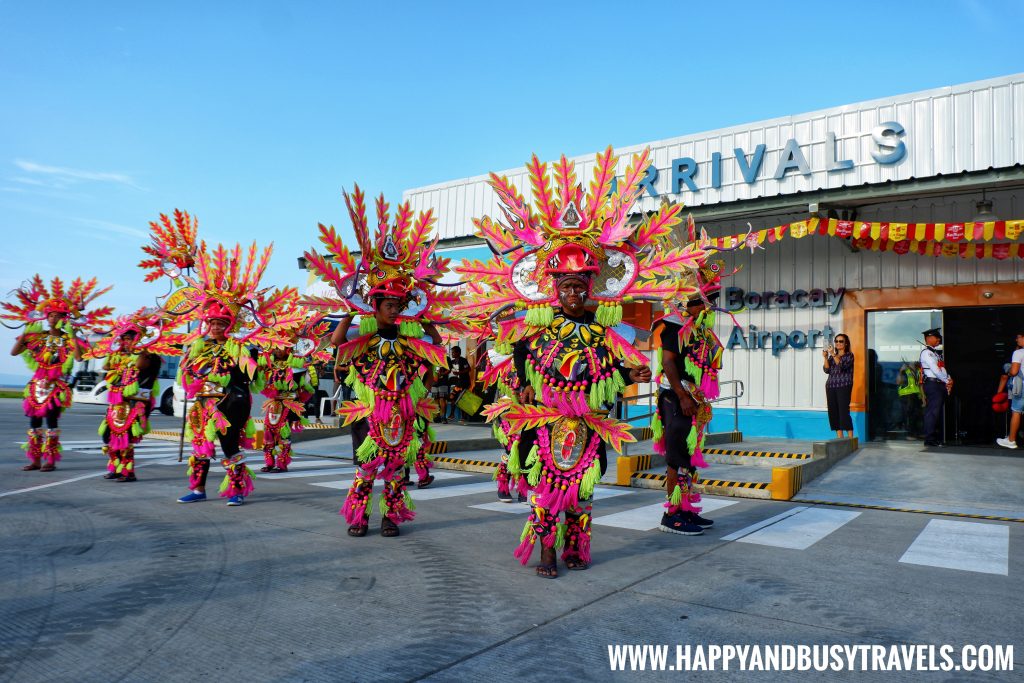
column 927, row 239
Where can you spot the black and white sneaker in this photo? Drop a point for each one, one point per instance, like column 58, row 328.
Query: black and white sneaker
column 679, row 524
column 504, row 497
column 700, row 521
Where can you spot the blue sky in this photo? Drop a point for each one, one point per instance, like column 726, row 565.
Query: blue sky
column 253, row 115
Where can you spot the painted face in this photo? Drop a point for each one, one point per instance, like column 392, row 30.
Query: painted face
column 217, row 328
column 128, row 339
column 695, row 307
column 572, row 295
column 388, row 311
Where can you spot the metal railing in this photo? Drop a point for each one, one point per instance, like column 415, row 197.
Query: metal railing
column 622, row 409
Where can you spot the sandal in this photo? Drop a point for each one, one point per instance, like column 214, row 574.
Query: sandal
column 388, row 529
column 357, row 530
column 576, row 564
column 424, row 483
column 547, row 571
column 47, row 468
column 31, row 466
column 267, row 468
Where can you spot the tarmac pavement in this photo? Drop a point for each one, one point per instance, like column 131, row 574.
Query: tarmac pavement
column 104, row 581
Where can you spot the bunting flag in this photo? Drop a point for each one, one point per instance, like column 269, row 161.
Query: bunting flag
column 992, row 239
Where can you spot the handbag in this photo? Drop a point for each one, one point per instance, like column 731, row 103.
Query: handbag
column 469, row 403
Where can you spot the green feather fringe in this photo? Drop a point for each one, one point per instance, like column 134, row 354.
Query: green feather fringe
column 677, row 495
column 693, row 370
column 609, row 315
column 367, row 450
column 590, row 480
column 657, row 428
column 513, row 459
column 103, row 427
column 534, row 475
column 526, row 530
column 560, row 535
column 367, row 324
column 540, row 316
column 410, row 328
column 225, row 484
column 691, row 439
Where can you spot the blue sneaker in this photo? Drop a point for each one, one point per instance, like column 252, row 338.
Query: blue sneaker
column 193, row 497
column 235, row 501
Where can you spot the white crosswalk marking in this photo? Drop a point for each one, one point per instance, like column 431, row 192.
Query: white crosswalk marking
column 649, row 516
column 968, row 546
column 802, row 530
column 307, row 473
column 452, row 491
column 517, row 508
column 344, row 484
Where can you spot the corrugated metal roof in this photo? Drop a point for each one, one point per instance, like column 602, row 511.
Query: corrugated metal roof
column 961, row 128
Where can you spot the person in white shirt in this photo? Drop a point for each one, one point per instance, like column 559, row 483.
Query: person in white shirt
column 1013, row 383
column 937, row 385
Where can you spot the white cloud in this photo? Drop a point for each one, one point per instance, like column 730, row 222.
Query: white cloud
column 115, row 228
column 60, row 176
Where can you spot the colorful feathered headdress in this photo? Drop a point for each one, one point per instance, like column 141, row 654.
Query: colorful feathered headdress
column 226, row 286
column 152, row 334
column 34, row 301
column 566, row 231
column 399, row 262
column 173, row 248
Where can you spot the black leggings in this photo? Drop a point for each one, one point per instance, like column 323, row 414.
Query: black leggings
column 677, row 429
column 838, row 399
column 52, row 415
column 235, row 406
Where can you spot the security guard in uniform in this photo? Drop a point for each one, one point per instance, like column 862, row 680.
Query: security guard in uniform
column 937, row 385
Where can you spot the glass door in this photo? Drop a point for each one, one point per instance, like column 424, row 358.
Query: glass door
column 895, row 408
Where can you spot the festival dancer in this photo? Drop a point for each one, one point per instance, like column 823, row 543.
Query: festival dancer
column 501, row 371
column 50, row 353
column 690, row 360
column 238, row 319
column 552, row 258
column 394, row 290
column 288, row 378
column 132, row 349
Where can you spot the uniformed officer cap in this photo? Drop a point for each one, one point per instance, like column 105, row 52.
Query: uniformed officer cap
column 934, row 332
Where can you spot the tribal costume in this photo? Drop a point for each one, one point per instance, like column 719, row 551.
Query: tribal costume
column 390, row 364
column 238, row 319
column 50, row 353
column 575, row 364
column 288, row 379
column 132, row 349
column 688, row 339
column 501, row 371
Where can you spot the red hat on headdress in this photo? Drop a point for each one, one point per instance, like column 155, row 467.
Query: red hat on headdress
column 572, row 259
column 56, row 306
column 215, row 310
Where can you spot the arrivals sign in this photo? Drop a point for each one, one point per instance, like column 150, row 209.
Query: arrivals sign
column 686, row 174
